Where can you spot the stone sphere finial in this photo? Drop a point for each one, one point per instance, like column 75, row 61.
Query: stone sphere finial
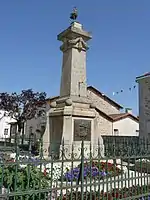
column 92, row 105
column 53, row 104
column 68, row 102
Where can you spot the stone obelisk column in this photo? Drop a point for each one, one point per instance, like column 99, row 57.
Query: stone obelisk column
column 74, row 47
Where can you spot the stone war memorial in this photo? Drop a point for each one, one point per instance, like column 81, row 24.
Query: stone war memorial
column 72, row 116
column 83, row 168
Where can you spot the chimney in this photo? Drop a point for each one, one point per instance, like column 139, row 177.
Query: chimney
column 128, row 110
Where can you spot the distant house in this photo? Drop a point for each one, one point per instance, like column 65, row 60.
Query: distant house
column 110, row 118
column 5, row 125
column 112, row 121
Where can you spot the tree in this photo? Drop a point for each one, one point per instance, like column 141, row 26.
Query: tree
column 23, row 106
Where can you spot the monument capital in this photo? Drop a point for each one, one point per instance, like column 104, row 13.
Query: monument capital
column 74, row 37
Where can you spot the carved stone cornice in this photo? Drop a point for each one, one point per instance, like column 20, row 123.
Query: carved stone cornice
column 77, row 43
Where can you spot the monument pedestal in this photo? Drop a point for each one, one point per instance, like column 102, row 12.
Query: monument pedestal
column 66, row 126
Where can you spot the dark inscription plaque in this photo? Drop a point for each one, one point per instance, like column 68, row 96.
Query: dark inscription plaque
column 82, row 128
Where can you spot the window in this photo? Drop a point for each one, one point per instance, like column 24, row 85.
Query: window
column 6, row 131
column 13, row 130
column 116, row 132
column 137, row 132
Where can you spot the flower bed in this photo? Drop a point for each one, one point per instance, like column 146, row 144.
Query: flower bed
column 94, row 170
column 112, row 195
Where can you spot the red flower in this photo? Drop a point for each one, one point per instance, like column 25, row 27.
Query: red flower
column 45, row 173
column 110, row 197
column 117, row 195
column 11, row 160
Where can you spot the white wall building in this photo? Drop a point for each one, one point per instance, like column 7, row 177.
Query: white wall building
column 5, row 125
column 127, row 126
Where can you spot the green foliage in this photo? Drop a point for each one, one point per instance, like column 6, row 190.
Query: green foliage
column 23, row 179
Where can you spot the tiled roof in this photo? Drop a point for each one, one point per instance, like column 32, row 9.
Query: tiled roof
column 143, row 76
column 117, row 117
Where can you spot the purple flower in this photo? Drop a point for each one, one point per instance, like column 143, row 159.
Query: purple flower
column 103, row 173
column 95, row 171
column 88, row 171
column 69, row 176
column 76, row 170
column 72, row 175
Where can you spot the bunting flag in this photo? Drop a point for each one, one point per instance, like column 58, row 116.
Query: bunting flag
column 122, row 90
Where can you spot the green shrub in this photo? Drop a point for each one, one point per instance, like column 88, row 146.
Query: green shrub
column 15, row 178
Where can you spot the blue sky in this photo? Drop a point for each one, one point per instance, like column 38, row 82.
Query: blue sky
column 119, row 51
